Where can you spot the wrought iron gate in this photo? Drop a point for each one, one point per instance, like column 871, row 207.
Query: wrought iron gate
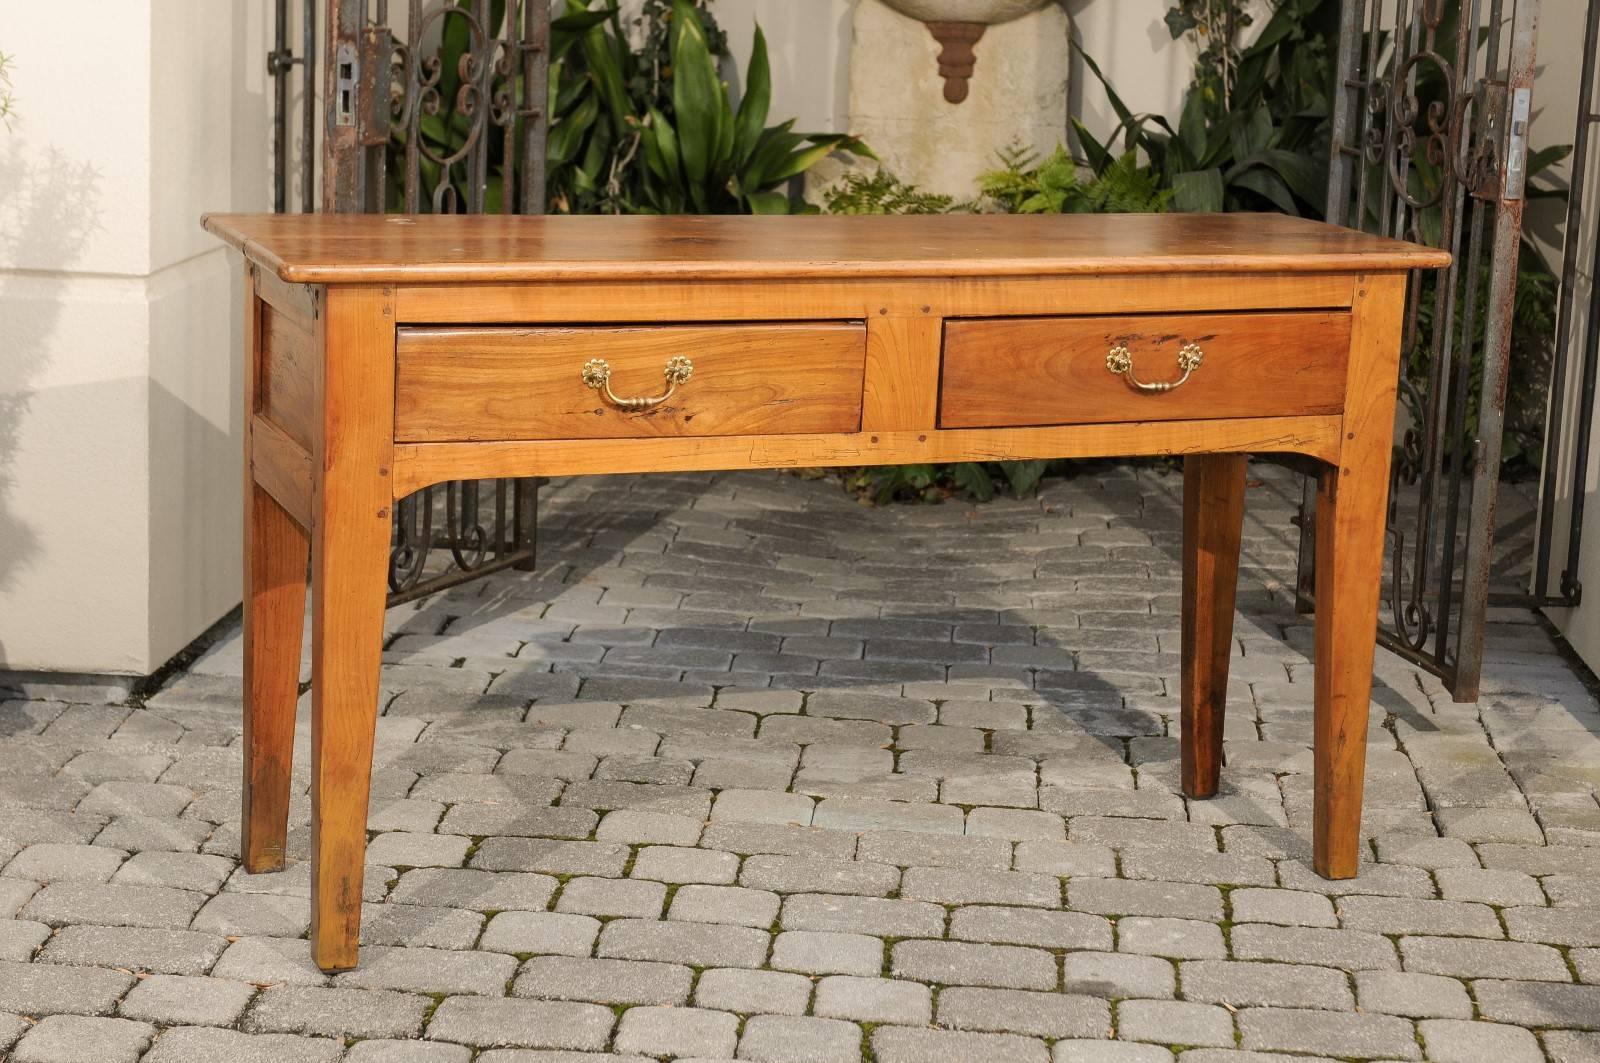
column 1429, row 141
column 442, row 110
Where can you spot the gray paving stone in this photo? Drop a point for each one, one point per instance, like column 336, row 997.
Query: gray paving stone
column 192, row 1044
column 1187, row 939
column 248, row 914
column 65, row 862
column 635, row 898
column 779, row 839
column 666, row 863
column 1539, row 1003
column 1468, row 958
column 1568, row 1046
column 1104, row 974
column 762, row 806
column 1076, row 859
column 865, row 814
column 793, row 1039
column 962, row 963
column 1050, row 1015
column 488, row 1023
column 1555, row 926
column 1266, row 984
column 1190, row 865
column 176, row 1000
column 335, row 1012
column 385, row 1051
column 904, row 1044
column 62, row 903
column 680, row 1032
column 753, row 992
column 1457, row 1041
column 477, row 890
column 1030, row 926
column 724, row 904
column 1398, row 915
column 419, row 926
column 135, row 948
column 52, row 989
column 975, row 886
column 800, row 874
column 410, row 849
column 270, row 961
column 875, row 1000
column 1083, row 1051
column 823, row 952
column 1119, row 897
column 1354, row 950
column 697, row 944
column 1499, row 888
column 541, row 932
column 1285, row 907
column 863, row 915
column 911, row 849
column 552, row 857
column 74, row 1038
column 603, row 981
column 1349, row 1034
column 429, row 971
column 185, row 871
column 1174, row 1022
column 20, row 938
column 1416, row 996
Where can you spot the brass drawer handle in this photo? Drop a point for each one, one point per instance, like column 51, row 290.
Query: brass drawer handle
column 1120, row 362
column 597, row 374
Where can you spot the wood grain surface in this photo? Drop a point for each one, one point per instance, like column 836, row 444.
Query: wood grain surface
column 330, row 248
column 493, row 383
column 1034, row 371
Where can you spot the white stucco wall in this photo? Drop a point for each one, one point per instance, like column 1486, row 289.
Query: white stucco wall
column 119, row 325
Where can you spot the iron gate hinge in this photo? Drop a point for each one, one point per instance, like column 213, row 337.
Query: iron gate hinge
column 1516, row 172
column 346, row 71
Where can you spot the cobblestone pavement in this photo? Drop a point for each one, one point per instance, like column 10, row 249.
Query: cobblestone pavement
column 746, row 770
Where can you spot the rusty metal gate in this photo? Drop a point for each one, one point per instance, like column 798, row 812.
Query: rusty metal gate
column 440, row 109
column 1430, row 123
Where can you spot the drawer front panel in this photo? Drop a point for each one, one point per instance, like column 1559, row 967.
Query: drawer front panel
column 468, row 384
column 1002, row 372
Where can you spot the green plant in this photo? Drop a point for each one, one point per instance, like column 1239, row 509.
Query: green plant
column 883, row 193
column 654, row 131
column 1058, row 185
column 634, row 129
column 1252, row 132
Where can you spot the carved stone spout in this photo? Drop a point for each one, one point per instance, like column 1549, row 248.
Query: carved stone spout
column 957, row 25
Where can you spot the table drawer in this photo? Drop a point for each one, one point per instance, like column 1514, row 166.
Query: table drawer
column 1001, row 372
column 577, row 382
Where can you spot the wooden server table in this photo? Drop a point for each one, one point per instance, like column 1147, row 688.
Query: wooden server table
column 390, row 353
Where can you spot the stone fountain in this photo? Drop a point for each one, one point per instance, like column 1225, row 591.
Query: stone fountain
column 937, row 87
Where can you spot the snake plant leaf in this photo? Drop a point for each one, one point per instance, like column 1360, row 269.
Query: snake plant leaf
column 660, row 134
column 567, row 135
column 607, row 75
column 1266, row 183
column 1197, row 191
column 822, row 146
column 757, row 101
column 768, row 203
column 697, row 99
column 1097, row 153
column 774, row 146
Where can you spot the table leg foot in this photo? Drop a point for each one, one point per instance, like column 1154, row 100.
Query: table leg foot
column 274, row 620
column 1213, row 515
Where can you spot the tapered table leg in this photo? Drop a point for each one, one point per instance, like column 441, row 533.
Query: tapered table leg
column 349, row 559
column 275, row 550
column 1213, row 516
column 1352, row 499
